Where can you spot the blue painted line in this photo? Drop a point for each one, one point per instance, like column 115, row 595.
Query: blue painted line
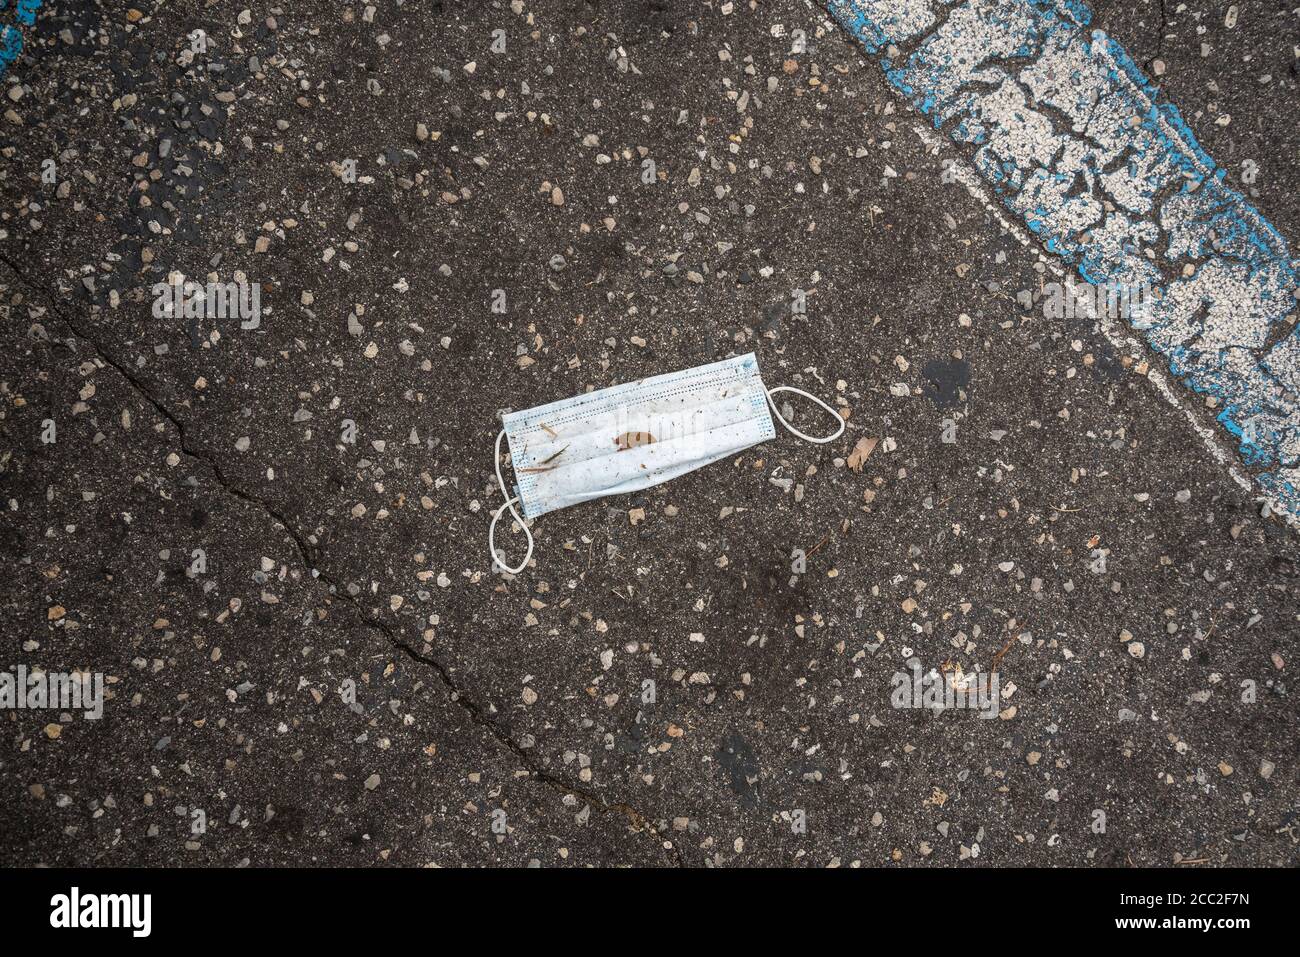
column 11, row 38
column 1078, row 145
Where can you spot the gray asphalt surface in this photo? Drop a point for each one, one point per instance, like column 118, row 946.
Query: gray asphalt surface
column 502, row 719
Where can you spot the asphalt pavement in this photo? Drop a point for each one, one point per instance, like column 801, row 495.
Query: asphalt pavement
column 267, row 530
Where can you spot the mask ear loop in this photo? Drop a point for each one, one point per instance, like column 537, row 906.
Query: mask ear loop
column 791, row 428
column 509, row 504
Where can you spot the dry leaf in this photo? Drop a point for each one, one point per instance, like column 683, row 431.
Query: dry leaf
column 630, row 440
column 861, row 452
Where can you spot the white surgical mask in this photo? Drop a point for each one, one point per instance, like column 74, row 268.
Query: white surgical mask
column 630, row 437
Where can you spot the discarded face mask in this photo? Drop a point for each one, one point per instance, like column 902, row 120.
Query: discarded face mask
column 630, row 437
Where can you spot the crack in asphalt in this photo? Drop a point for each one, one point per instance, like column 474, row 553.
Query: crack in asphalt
column 637, row 821
column 1160, row 40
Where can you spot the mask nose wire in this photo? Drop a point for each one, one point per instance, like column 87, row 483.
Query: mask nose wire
column 807, row 438
column 509, row 504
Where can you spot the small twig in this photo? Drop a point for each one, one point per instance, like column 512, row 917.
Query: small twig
column 997, row 659
column 813, row 550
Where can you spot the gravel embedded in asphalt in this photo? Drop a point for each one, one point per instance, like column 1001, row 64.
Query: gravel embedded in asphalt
column 269, row 533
